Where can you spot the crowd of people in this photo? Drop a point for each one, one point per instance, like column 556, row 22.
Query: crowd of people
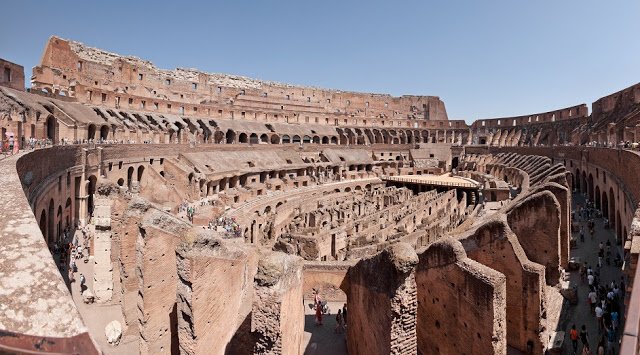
column 604, row 299
column 229, row 224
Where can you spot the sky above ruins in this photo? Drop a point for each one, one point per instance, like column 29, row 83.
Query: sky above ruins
column 483, row 58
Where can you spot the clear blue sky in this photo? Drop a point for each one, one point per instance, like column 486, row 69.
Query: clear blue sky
column 483, row 58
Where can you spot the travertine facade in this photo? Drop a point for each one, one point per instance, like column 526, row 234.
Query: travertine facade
column 421, row 224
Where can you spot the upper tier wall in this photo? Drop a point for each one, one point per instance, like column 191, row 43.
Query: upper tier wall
column 95, row 76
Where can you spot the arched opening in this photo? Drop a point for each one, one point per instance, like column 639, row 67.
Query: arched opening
column 43, row 225
column 454, row 162
column 121, row 182
column 230, row 136
column 605, row 205
column 129, row 176
column 334, row 140
column 286, row 139
column 306, row 139
column 325, row 140
column 104, row 132
column 316, row 140
column 59, row 224
column 140, row 172
column 618, row 227
column 296, row 139
column 590, row 187
column 91, row 132
column 51, row 129
column 612, row 208
column 264, row 138
column 275, row 139
column 243, row 138
column 50, row 224
column 597, row 196
column 67, row 212
column 91, row 189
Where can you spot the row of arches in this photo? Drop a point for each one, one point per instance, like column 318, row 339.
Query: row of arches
column 603, row 200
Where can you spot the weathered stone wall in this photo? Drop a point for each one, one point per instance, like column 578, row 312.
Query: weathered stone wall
column 277, row 308
column 156, row 269
column 11, row 75
column 210, row 267
column 466, row 312
column 381, row 293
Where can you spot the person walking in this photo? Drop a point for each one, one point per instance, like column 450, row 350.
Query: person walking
column 573, row 334
column 584, row 338
column 339, row 322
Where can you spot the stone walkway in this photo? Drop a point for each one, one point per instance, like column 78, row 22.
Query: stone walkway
column 321, row 339
column 96, row 316
column 580, row 313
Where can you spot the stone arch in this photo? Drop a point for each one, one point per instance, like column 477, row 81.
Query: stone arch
column 597, row 198
column 59, row 222
column 334, row 140
column 325, row 140
column 230, row 136
column 129, row 176
column 91, row 189
column 91, row 132
column 104, row 132
column 140, row 172
column 306, row 139
column 264, row 138
column 50, row 221
column 316, row 139
column 296, row 139
column 43, row 224
column 243, row 138
column 275, row 139
column 612, row 209
column 286, row 139
column 590, row 187
column 52, row 129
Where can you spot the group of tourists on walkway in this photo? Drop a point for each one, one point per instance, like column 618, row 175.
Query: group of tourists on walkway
column 320, row 307
column 604, row 299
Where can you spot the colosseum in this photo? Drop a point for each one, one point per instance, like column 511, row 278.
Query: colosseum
column 152, row 211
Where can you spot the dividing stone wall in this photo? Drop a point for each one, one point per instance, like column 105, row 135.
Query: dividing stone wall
column 382, row 303
column 215, row 294
column 156, row 270
column 277, row 312
column 461, row 303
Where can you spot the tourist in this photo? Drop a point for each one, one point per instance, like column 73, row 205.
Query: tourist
column 82, row 283
column 601, row 346
column 584, row 338
column 339, row 322
column 573, row 334
column 318, row 313
column 599, row 312
column 611, row 339
column 344, row 314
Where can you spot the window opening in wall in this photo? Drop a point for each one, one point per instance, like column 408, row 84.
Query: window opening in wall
column 288, row 97
column 59, row 183
column 386, row 104
column 242, row 92
column 366, row 104
column 68, row 178
column 194, row 86
column 195, row 109
column 140, row 76
column 89, row 95
column 328, row 101
column 104, row 97
column 130, row 101
column 182, row 110
column 264, row 94
column 282, row 107
column 156, row 105
column 142, row 104
column 167, row 81
column 308, row 99
column 63, row 77
column 79, row 66
column 95, row 82
column 7, row 75
column 348, row 102
column 219, row 89
column 169, row 106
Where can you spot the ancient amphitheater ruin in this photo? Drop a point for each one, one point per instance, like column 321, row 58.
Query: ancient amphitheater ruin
column 208, row 212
